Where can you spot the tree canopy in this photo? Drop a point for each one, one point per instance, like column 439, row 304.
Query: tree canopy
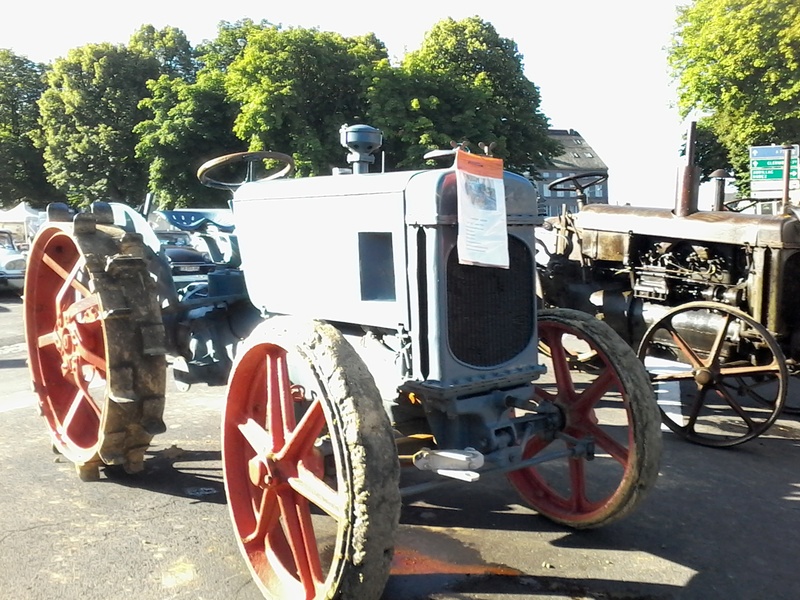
column 22, row 177
column 113, row 122
column 738, row 63
column 88, row 114
column 296, row 87
column 170, row 47
column 474, row 88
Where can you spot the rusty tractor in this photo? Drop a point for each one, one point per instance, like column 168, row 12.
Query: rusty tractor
column 708, row 299
column 353, row 342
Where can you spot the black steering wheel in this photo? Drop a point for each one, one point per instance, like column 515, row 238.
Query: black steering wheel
column 251, row 158
column 576, row 183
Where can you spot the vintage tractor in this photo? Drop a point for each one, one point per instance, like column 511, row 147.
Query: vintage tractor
column 709, row 299
column 361, row 344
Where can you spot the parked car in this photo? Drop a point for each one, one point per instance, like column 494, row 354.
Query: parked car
column 12, row 264
column 187, row 263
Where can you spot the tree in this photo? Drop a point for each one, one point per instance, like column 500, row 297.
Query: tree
column 191, row 122
column 22, row 176
column 88, row 113
column 710, row 154
column 170, row 47
column 219, row 53
column 739, row 62
column 466, row 82
column 297, row 87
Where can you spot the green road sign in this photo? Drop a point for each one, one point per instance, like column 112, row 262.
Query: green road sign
column 767, row 163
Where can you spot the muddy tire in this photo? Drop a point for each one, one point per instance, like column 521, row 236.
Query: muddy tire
column 310, row 466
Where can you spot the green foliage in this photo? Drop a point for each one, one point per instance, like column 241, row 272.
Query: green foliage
column 296, row 87
column 739, row 62
column 466, row 82
column 217, row 55
column 190, row 123
column 170, row 47
column 87, row 118
column 113, row 122
column 21, row 164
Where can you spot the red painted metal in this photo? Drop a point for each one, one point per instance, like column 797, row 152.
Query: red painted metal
column 594, row 405
column 272, row 506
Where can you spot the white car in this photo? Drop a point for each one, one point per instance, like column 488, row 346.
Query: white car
column 12, row 264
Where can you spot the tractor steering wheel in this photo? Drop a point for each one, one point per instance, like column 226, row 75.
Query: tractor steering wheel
column 574, row 183
column 247, row 157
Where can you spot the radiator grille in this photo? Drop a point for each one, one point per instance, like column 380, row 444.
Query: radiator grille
column 490, row 312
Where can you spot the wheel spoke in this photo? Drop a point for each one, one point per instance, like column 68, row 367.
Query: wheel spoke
column 695, row 360
column 266, row 517
column 716, row 347
column 98, row 362
column 666, row 377
column 319, row 493
column 545, row 395
column 71, row 282
column 259, row 439
column 694, row 411
column 47, row 339
column 81, row 396
column 609, row 444
column 558, row 356
column 589, row 397
column 80, row 306
column 772, row 368
column 577, row 478
column 737, row 408
column 280, row 403
column 300, row 535
column 83, row 385
column 302, row 439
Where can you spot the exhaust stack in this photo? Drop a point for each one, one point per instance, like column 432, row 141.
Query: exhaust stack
column 686, row 201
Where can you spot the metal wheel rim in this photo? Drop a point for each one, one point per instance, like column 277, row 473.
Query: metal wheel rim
column 55, row 336
column 314, row 507
column 701, row 411
column 96, row 343
column 576, row 491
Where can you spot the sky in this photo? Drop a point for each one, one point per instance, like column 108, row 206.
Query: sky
column 600, row 65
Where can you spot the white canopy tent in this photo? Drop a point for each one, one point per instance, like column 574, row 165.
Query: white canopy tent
column 22, row 220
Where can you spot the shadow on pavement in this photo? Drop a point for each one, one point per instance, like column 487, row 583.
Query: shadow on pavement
column 177, row 472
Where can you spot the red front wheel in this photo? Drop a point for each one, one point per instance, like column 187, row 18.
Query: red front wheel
column 311, row 471
column 607, row 403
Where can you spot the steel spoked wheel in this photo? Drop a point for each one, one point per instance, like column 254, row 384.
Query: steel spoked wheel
column 609, row 423
column 720, row 376
column 310, row 466
column 95, row 344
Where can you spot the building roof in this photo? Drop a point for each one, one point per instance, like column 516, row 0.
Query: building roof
column 578, row 154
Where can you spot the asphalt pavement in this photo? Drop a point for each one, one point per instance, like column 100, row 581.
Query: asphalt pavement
column 718, row 524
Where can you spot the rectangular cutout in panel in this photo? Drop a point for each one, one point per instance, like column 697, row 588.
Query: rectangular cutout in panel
column 376, row 265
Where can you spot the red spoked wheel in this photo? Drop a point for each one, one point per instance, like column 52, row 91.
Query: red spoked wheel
column 95, row 343
column 610, row 404
column 310, row 466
